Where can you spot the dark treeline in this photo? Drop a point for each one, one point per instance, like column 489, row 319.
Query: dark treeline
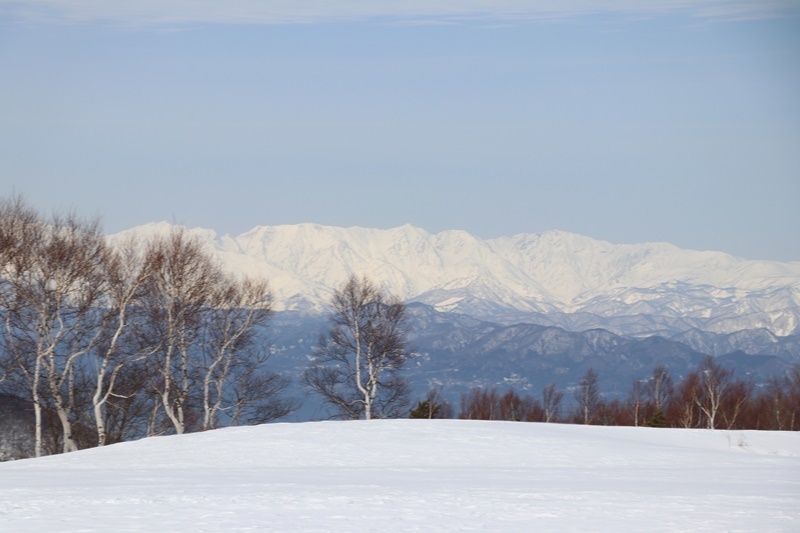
column 111, row 343
column 709, row 397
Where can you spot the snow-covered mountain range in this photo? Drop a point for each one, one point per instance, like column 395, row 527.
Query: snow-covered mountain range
column 551, row 278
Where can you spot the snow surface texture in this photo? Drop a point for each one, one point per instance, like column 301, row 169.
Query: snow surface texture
column 551, row 272
column 415, row 475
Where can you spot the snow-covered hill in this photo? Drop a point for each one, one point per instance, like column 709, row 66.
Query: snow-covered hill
column 415, row 475
column 552, row 277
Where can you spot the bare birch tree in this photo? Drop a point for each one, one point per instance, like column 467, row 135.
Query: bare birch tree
column 588, row 396
column 125, row 276
column 713, row 383
column 636, row 398
column 258, row 397
column 177, row 293
column 69, row 288
column 238, row 309
column 734, row 401
column 52, row 290
column 20, row 228
column 659, row 388
column 683, row 405
column 551, row 402
column 356, row 371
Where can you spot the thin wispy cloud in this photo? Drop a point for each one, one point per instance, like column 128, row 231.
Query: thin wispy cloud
column 170, row 12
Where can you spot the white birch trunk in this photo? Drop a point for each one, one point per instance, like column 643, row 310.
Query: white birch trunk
column 37, row 414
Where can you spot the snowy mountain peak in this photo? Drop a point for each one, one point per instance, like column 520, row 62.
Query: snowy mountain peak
column 573, row 279
column 162, row 229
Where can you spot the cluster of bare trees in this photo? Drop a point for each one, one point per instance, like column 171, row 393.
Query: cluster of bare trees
column 709, row 397
column 489, row 404
column 109, row 343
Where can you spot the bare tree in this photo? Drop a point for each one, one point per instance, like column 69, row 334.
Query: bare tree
column 176, row 295
column 778, row 405
column 636, row 398
column 659, row 388
column 551, row 402
column 588, row 396
column 516, row 408
column 480, row 404
column 20, row 229
column 713, row 383
column 614, row 413
column 71, row 289
column 356, row 370
column 258, row 397
column 774, row 403
column 127, row 410
column 683, row 409
column 125, row 276
column 734, row 402
column 793, row 396
column 52, row 285
column 231, row 326
column 488, row 404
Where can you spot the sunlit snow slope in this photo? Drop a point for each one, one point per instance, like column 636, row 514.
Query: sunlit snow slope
column 415, row 475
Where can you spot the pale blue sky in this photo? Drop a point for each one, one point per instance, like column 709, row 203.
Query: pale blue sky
column 623, row 122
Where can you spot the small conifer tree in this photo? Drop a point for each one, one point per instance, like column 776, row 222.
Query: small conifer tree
column 425, row 409
column 658, row 420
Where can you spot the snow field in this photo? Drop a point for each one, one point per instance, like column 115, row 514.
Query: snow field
column 415, row 475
